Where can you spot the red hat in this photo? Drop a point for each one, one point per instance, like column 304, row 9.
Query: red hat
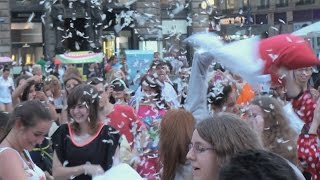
column 287, row 51
column 252, row 57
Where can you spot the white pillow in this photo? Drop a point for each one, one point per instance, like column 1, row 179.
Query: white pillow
column 120, row 172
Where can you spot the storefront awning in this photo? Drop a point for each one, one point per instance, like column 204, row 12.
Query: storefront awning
column 312, row 30
column 5, row 60
column 80, row 57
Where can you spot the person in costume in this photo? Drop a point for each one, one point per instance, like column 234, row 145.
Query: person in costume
column 276, row 56
column 308, row 148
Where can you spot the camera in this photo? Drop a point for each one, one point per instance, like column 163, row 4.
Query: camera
column 38, row 87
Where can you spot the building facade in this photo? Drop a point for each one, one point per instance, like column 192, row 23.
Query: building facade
column 5, row 36
column 273, row 17
column 31, row 30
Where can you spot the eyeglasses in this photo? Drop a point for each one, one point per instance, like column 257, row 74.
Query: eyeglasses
column 71, row 86
column 197, row 148
column 305, row 69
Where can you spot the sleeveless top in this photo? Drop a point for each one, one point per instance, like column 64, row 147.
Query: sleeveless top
column 33, row 174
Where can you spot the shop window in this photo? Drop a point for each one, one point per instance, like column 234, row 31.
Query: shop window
column 282, row 3
column 26, row 2
column 261, row 19
column 244, row 4
column 264, row 4
column 123, row 40
column 27, row 53
column 27, row 41
column 167, row 2
column 280, row 17
column 108, row 45
column 304, row 2
column 75, row 36
column 26, row 33
column 230, row 4
column 113, row 43
column 316, row 14
column 303, row 15
column 149, row 46
column 170, row 26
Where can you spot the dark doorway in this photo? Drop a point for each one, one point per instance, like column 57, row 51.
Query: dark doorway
column 75, row 38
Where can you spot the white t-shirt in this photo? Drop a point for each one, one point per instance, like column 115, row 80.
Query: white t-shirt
column 167, row 92
column 5, row 95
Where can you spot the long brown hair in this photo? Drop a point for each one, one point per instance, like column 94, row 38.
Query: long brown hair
column 278, row 136
column 88, row 95
column 228, row 135
column 176, row 130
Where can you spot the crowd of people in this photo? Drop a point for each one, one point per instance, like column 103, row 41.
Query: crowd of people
column 201, row 122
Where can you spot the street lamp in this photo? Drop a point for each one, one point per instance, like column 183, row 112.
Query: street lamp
column 207, row 4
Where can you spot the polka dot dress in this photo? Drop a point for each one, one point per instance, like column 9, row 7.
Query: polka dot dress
column 304, row 107
column 308, row 151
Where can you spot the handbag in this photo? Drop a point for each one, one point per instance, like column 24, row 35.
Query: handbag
column 42, row 156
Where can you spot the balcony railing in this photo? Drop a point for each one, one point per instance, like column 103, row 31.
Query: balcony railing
column 265, row 6
column 227, row 11
column 282, row 5
column 305, row 2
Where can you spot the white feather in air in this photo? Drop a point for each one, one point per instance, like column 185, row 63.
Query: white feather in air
column 30, row 17
column 240, row 57
column 204, row 41
column 178, row 9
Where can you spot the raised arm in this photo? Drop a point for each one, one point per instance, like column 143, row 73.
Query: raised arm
column 19, row 90
column 196, row 101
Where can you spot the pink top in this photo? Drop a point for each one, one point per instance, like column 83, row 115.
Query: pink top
column 147, row 110
column 151, row 116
